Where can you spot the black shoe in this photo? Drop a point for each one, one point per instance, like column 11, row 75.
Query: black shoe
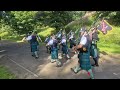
column 32, row 55
column 91, row 78
column 73, row 71
column 95, row 65
column 36, row 57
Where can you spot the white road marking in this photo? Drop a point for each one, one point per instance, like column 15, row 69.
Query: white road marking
column 2, row 50
column 22, row 67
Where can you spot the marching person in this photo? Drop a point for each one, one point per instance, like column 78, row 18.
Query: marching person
column 47, row 47
column 84, row 55
column 63, row 43
column 29, row 37
column 59, row 37
column 54, row 50
column 94, row 51
column 38, row 39
column 34, row 44
column 72, row 41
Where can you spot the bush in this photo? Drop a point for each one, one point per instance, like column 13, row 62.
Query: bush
column 4, row 35
column 46, row 32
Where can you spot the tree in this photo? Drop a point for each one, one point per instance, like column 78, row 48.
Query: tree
column 111, row 16
column 55, row 19
column 20, row 21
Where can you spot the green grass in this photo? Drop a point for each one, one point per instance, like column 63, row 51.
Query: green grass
column 5, row 74
column 15, row 38
column 110, row 42
column 111, row 37
column 109, row 48
column 46, row 31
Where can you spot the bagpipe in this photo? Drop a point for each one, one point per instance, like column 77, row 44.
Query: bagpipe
column 72, row 39
column 47, row 40
column 47, row 47
column 69, row 34
column 59, row 35
column 59, row 38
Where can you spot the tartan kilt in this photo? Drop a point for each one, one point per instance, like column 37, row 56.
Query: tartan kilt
column 65, row 49
column 34, row 46
column 93, row 51
column 84, row 60
column 54, row 53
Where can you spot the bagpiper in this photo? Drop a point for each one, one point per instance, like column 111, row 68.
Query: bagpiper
column 72, row 41
column 84, row 55
column 47, row 47
column 94, row 51
column 63, row 43
column 33, row 44
column 53, row 43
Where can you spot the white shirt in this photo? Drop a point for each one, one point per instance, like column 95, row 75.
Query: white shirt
column 29, row 38
column 83, row 40
column 50, row 42
column 63, row 41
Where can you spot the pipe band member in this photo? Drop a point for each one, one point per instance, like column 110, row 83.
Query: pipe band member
column 34, row 44
column 64, row 47
column 72, row 42
column 94, row 51
column 84, row 55
column 38, row 39
column 54, row 50
column 28, row 37
column 47, row 47
column 59, row 37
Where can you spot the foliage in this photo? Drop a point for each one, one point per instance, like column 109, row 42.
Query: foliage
column 13, row 24
column 54, row 19
column 19, row 21
column 111, row 16
column 24, row 21
column 47, row 31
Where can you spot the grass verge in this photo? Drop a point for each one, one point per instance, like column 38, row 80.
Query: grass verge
column 5, row 74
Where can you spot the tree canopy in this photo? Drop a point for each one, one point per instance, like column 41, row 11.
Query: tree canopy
column 22, row 22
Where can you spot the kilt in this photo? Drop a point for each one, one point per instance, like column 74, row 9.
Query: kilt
column 84, row 59
column 65, row 49
column 34, row 46
column 93, row 50
column 54, row 53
